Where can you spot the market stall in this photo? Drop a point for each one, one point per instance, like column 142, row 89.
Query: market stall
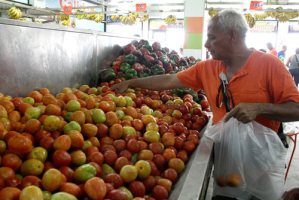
column 48, row 56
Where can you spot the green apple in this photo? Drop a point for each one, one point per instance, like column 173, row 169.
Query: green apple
column 42, row 109
column 67, row 90
column 178, row 101
column 52, row 123
column 32, row 113
column 143, row 168
column 106, row 169
column 85, row 172
column 128, row 130
column 129, row 101
column 78, row 158
column 29, row 100
column 3, row 112
column 63, row 196
column 151, row 136
column 67, row 116
column 73, row 125
column 113, row 97
column 86, row 144
column 120, row 114
column 31, row 192
column 98, row 116
column 169, row 102
column 146, row 110
column 73, row 105
column 128, row 173
column 121, row 101
column 93, row 90
column 38, row 153
column 128, row 192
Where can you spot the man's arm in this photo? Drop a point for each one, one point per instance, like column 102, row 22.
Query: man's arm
column 247, row 112
column 159, row 82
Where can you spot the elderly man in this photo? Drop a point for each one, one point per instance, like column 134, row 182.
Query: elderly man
column 259, row 86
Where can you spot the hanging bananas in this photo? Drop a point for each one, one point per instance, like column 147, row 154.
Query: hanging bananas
column 99, row 18
column 212, row 12
column 281, row 15
column 80, row 14
column 171, row 19
column 250, row 20
column 65, row 19
column 114, row 18
column 144, row 18
column 260, row 16
column 129, row 19
column 14, row 13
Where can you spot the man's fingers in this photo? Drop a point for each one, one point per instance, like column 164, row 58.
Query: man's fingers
column 231, row 114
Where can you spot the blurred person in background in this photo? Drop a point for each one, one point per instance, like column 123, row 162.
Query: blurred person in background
column 293, row 65
column 282, row 54
column 260, row 86
column 272, row 50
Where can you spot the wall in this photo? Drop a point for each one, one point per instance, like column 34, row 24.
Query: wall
column 34, row 56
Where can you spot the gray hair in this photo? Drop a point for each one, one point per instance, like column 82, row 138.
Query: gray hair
column 228, row 20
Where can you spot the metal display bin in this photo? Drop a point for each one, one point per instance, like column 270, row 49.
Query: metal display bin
column 35, row 55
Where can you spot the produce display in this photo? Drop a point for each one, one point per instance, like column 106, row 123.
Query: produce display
column 92, row 143
column 140, row 59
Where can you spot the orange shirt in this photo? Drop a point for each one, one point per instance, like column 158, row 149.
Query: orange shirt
column 262, row 79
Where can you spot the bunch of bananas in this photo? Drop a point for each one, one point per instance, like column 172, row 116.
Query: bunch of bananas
column 213, row 12
column 144, row 18
column 91, row 16
column 171, row 19
column 99, row 18
column 65, row 20
column 293, row 14
column 114, row 18
column 80, row 14
column 250, row 20
column 281, row 15
column 129, row 19
column 260, row 16
column 14, row 13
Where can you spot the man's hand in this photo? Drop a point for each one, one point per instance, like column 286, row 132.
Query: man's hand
column 244, row 112
column 121, row 87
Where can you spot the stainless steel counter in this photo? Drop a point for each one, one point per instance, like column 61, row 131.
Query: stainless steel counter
column 37, row 55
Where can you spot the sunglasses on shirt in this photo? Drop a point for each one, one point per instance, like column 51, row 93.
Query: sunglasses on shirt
column 224, row 96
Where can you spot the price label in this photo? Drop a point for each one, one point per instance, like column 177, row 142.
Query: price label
column 256, row 5
column 67, row 6
column 140, row 7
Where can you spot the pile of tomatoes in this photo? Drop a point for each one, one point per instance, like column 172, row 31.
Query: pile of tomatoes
column 93, row 143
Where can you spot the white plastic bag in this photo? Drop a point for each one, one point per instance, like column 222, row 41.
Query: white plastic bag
column 253, row 152
column 290, row 127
